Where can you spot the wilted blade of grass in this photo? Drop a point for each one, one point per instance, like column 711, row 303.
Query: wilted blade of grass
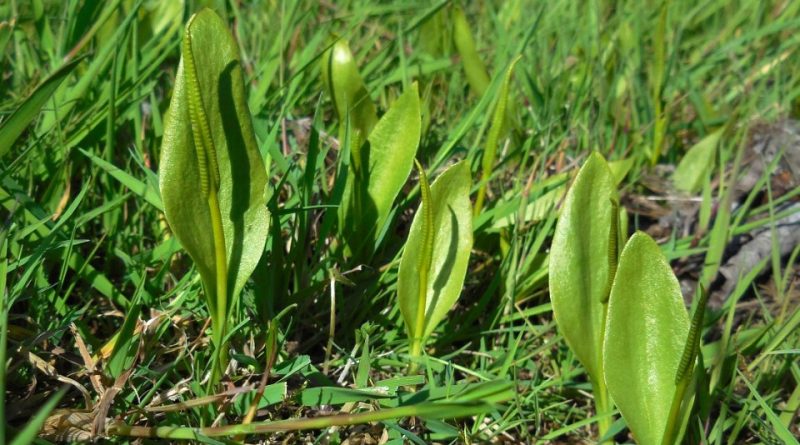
column 274, row 393
column 27, row 112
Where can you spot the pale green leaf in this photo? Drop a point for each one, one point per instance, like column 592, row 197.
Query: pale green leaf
column 452, row 229
column 349, row 94
column 242, row 175
column 646, row 331
column 388, row 157
column 697, row 164
column 477, row 76
column 579, row 264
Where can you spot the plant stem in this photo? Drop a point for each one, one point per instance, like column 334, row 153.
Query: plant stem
column 219, row 322
column 326, row 365
column 426, row 258
column 602, row 406
column 601, row 399
column 419, row 325
column 671, row 431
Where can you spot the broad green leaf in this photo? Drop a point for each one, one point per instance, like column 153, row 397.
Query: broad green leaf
column 242, row 176
column 388, row 157
column 477, row 76
column 645, row 336
column 579, row 265
column 350, row 97
column 620, row 169
column 452, row 242
column 697, row 163
column 29, row 109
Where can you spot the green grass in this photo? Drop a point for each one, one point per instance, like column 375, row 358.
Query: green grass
column 85, row 239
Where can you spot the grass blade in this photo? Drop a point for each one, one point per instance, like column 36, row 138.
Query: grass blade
column 29, row 109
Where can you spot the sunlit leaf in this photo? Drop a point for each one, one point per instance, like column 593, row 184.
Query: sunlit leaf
column 477, row 76
column 388, row 158
column 242, row 175
column 697, row 163
column 579, row 263
column 349, row 94
column 452, row 242
column 646, row 332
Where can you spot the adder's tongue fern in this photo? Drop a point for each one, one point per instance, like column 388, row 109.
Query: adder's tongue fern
column 209, row 187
